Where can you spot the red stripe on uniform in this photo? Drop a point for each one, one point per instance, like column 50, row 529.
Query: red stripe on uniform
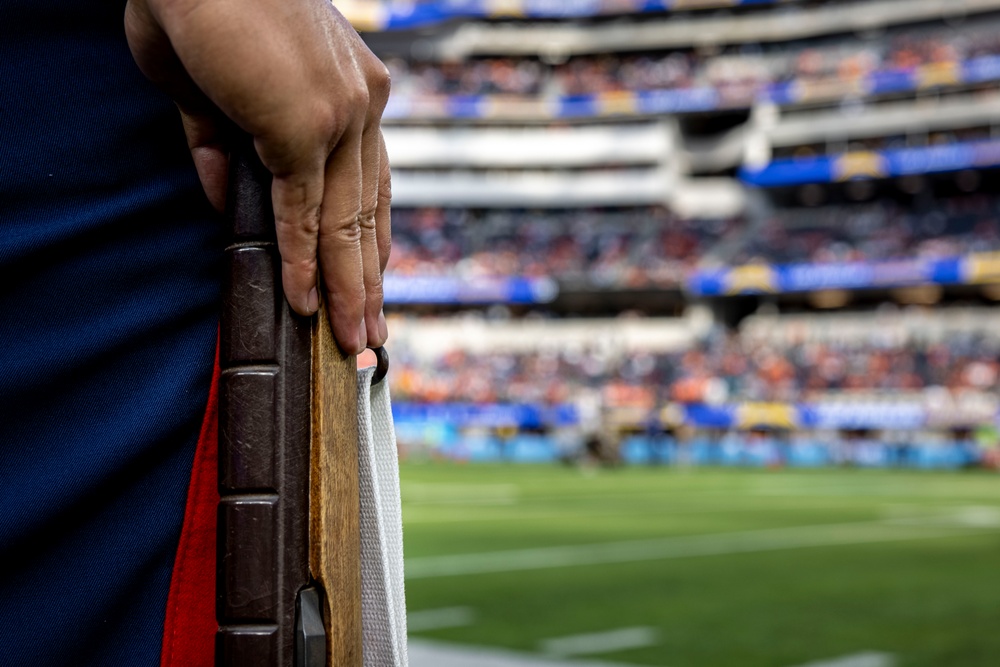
column 190, row 625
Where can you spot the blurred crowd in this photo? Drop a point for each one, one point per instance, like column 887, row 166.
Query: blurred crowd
column 875, row 231
column 740, row 72
column 649, row 247
column 619, row 248
column 725, row 367
column 889, row 142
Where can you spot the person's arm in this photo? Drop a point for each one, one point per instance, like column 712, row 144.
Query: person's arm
column 296, row 76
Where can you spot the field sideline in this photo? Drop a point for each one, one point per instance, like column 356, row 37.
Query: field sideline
column 706, row 567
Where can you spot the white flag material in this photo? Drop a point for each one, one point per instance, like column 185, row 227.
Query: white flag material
column 383, row 602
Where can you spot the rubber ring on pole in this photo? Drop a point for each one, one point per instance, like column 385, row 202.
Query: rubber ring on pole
column 381, row 365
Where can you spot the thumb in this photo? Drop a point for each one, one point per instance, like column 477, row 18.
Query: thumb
column 155, row 56
column 211, row 159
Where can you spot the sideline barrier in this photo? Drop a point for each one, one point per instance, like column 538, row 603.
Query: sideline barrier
column 733, row 449
column 908, row 415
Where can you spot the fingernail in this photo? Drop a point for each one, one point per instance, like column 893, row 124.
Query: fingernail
column 383, row 328
column 362, row 337
column 313, row 300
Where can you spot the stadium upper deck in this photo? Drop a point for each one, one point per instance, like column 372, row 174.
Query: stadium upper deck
column 798, row 53
column 377, row 15
column 702, row 161
column 910, row 90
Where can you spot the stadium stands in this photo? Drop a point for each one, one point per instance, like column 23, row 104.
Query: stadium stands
column 736, row 73
column 771, row 359
column 681, row 75
column 716, row 162
column 624, row 248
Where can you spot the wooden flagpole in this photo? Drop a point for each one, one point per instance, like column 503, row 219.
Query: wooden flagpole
column 334, row 500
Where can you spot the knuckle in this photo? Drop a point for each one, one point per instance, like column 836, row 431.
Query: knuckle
column 385, row 187
column 332, row 122
column 379, row 86
column 303, row 225
column 300, row 266
column 366, row 221
column 357, row 97
column 348, row 233
column 373, row 286
column 385, row 192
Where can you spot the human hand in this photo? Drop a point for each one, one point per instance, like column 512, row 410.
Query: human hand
column 296, row 76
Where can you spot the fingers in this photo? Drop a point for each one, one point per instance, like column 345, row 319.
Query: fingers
column 371, row 159
column 382, row 213
column 383, row 231
column 297, row 200
column 340, row 248
column 375, row 206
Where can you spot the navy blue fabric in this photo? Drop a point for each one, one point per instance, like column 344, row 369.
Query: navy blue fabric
column 110, row 271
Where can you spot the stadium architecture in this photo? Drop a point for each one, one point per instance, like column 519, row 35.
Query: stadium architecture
column 751, row 231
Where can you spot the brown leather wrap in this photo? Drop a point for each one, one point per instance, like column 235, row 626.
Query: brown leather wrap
column 264, row 434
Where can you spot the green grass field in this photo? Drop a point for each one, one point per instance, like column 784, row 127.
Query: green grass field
column 738, row 568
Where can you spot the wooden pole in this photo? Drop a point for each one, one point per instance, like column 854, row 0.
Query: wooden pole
column 334, row 500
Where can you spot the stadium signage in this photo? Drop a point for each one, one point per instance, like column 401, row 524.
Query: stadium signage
column 694, row 100
column 880, row 164
column 864, row 412
column 409, row 15
column 786, row 278
column 481, row 290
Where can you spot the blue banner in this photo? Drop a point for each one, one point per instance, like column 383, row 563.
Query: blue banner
column 781, row 278
column 489, row 415
column 416, row 14
column 451, row 290
column 691, row 100
column 874, row 164
column 824, row 415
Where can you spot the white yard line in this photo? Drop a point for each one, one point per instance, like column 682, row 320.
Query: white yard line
column 601, row 642
column 866, row 659
column 437, row 619
column 769, row 539
column 424, row 653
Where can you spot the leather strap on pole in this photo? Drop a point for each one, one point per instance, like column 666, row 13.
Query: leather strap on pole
column 288, row 513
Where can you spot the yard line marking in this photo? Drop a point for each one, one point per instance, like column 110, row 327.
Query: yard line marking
column 423, row 653
column 866, row 659
column 713, row 544
column 601, row 642
column 438, row 619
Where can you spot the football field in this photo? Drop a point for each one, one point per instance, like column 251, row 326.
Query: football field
column 706, row 567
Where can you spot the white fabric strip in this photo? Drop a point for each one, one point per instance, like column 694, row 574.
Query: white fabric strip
column 383, row 601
